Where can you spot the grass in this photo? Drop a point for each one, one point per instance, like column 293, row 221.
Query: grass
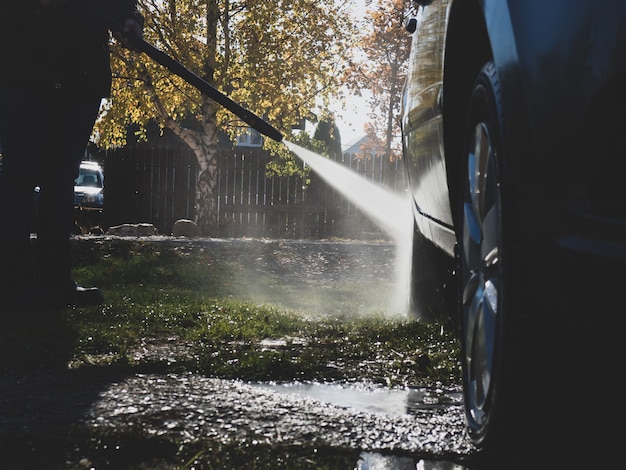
column 176, row 307
column 159, row 293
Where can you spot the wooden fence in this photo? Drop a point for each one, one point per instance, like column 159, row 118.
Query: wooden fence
column 156, row 185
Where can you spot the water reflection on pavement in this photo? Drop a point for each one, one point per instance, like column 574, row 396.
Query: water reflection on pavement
column 434, row 405
column 374, row 399
column 375, row 461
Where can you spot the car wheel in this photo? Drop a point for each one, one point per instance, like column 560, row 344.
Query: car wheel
column 484, row 269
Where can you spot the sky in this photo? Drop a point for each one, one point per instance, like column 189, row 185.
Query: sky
column 351, row 116
column 350, row 119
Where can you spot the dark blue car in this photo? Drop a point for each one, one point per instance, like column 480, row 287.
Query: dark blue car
column 514, row 144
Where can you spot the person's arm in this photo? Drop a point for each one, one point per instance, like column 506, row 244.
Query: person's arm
column 132, row 21
column 125, row 11
column 131, row 27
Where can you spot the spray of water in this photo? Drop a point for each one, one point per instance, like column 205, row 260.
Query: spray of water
column 390, row 211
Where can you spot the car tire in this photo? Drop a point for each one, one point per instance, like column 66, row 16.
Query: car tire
column 491, row 360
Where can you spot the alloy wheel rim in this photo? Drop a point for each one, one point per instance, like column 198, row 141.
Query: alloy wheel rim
column 481, row 276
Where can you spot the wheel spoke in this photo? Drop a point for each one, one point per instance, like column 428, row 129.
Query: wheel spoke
column 490, row 229
column 487, row 335
column 477, row 166
column 472, row 341
column 473, row 295
column 471, row 237
column 480, row 339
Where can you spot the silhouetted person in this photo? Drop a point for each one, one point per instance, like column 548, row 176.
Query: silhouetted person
column 55, row 71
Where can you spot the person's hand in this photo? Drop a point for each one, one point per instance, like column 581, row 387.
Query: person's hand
column 132, row 29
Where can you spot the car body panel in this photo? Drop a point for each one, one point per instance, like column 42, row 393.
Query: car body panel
column 423, row 128
column 543, row 273
column 534, row 44
column 556, row 63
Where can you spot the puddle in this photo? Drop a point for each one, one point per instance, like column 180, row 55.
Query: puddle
column 374, row 461
column 373, row 399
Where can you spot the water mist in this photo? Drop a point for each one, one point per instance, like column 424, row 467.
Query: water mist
column 390, row 211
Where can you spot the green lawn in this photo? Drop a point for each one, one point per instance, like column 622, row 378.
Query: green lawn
column 181, row 301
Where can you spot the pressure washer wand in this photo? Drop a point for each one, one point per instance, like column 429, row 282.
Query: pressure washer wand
column 205, row 87
column 179, row 69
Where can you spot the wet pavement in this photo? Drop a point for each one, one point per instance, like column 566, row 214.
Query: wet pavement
column 189, row 408
column 373, row 398
column 394, row 428
column 412, row 428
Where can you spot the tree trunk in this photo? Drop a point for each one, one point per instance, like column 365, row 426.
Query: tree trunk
column 204, row 143
column 204, row 146
column 207, row 216
column 206, row 192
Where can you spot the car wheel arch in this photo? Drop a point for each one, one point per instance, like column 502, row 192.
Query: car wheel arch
column 466, row 53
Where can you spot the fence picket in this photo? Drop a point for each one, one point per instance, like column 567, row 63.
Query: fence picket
column 157, row 185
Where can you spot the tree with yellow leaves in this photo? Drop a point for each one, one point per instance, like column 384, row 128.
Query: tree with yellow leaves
column 385, row 45
column 277, row 58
